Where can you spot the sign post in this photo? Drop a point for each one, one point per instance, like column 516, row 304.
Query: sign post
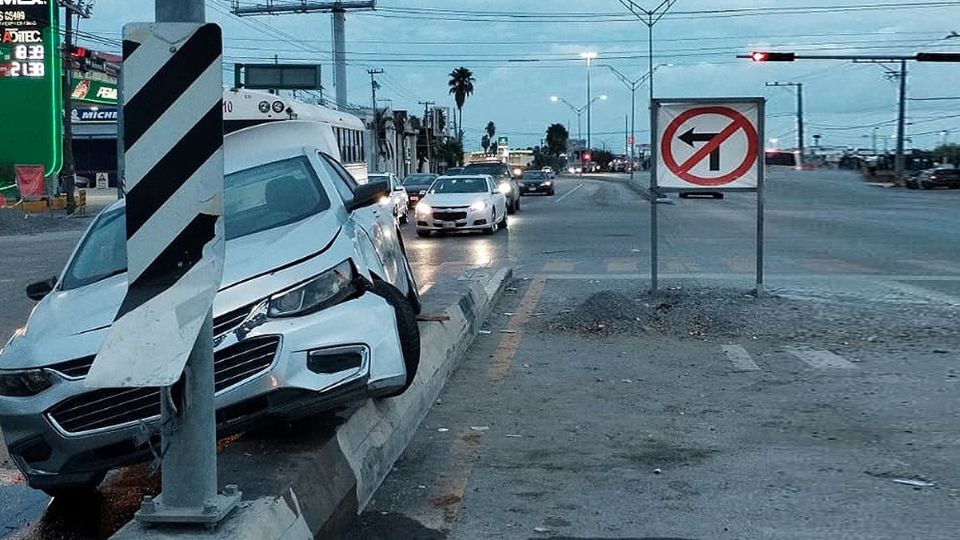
column 707, row 145
column 162, row 336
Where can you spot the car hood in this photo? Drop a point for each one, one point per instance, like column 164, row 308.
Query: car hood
column 453, row 199
column 73, row 323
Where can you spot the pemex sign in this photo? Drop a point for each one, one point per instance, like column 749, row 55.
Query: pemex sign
column 30, row 92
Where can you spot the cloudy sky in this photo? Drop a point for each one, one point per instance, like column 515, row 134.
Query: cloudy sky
column 523, row 52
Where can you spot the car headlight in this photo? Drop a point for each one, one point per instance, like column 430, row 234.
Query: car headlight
column 327, row 289
column 505, row 188
column 547, row 183
column 423, row 192
column 25, row 383
column 424, row 208
column 478, row 206
column 517, row 172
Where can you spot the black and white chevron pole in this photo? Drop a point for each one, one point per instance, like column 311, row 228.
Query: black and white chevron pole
column 162, row 336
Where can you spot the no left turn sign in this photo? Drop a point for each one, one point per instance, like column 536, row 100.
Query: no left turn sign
column 709, row 144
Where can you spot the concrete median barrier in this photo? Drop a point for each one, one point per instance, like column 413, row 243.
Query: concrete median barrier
column 311, row 478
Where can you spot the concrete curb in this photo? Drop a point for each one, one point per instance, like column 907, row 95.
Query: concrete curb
column 310, row 481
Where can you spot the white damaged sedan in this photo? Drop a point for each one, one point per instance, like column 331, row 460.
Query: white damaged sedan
column 462, row 203
column 317, row 306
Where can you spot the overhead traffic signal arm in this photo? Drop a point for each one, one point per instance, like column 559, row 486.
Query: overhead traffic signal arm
column 766, row 56
column 938, row 57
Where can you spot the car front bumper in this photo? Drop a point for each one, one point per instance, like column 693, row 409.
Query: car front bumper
column 536, row 187
column 321, row 360
column 472, row 220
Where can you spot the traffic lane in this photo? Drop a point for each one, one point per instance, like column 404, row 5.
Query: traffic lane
column 586, row 219
column 636, row 434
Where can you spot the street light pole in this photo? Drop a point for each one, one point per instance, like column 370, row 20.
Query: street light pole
column 900, row 164
column 801, row 144
column 633, row 85
column 589, row 56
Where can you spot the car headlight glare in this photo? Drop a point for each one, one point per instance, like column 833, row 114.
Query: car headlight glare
column 25, row 383
column 327, row 289
column 505, row 188
column 424, row 208
column 478, row 206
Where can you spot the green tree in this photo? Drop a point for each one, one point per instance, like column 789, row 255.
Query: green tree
column 947, row 153
column 491, row 130
column 557, row 138
column 485, row 143
column 602, row 158
column 461, row 86
column 449, row 151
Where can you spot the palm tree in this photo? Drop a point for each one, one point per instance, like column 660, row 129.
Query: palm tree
column 485, row 143
column 491, row 130
column 461, row 86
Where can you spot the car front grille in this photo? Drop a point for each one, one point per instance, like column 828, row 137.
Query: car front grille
column 447, row 215
column 113, row 407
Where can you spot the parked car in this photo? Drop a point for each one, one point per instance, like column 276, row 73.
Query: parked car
column 463, row 203
column 317, row 307
column 503, row 177
column 934, row 178
column 536, row 182
column 398, row 201
column 417, row 185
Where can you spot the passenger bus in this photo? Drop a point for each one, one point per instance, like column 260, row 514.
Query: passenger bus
column 244, row 108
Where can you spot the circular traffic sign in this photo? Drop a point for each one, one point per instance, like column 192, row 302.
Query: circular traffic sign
column 714, row 142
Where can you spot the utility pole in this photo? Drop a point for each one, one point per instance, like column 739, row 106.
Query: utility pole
column 428, row 132
column 900, row 163
column 338, row 11
column 801, row 144
column 376, row 122
column 633, row 85
column 80, row 8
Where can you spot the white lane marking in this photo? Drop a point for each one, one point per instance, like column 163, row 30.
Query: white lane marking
column 622, row 266
column 927, row 294
column 569, row 193
column 821, row 359
column 740, row 358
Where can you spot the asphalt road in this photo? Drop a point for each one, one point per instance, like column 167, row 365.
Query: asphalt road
column 591, row 410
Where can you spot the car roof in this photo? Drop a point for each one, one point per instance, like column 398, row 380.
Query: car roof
column 468, row 177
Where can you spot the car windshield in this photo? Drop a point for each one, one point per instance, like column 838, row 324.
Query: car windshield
column 535, row 175
column 486, row 168
column 256, row 199
column 419, row 180
column 377, row 177
column 460, row 185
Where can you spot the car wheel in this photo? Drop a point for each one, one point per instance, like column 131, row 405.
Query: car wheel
column 911, row 185
column 407, row 328
column 405, row 218
column 423, row 234
column 924, row 185
column 413, row 295
column 493, row 225
column 503, row 222
column 552, row 192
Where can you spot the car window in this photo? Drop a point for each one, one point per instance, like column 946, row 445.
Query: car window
column 343, row 181
column 460, row 185
column 419, row 180
column 487, row 168
column 254, row 200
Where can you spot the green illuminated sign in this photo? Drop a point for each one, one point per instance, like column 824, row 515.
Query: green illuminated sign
column 30, row 92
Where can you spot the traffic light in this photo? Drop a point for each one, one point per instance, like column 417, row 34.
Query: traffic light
column 585, row 156
column 938, row 57
column 764, row 56
column 80, row 56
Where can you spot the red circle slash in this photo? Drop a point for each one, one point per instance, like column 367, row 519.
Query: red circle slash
column 683, row 170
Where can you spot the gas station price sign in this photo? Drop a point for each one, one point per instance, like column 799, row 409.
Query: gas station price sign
column 30, row 92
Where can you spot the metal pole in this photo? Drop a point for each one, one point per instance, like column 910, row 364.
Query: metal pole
column 589, row 106
column 900, row 162
column 875, row 149
column 188, row 410
column 761, row 181
column 633, row 127
column 69, row 172
column 654, row 248
column 339, row 17
column 801, row 143
column 376, row 122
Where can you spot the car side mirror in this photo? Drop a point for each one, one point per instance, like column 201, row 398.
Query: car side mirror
column 368, row 195
column 39, row 290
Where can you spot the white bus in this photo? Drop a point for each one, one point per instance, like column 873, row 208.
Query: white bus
column 244, row 108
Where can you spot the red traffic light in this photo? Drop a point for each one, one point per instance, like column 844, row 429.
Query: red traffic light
column 764, row 56
column 79, row 52
column 586, row 156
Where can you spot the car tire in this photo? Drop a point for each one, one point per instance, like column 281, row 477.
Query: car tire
column 511, row 207
column 423, row 234
column 405, row 218
column 911, row 185
column 493, row 225
column 407, row 328
column 503, row 222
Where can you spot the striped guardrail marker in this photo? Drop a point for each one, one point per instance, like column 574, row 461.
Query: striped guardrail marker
column 172, row 89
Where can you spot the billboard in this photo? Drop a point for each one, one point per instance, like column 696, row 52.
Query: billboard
column 30, row 71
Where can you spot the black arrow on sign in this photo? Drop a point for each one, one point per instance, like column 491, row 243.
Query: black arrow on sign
column 691, row 137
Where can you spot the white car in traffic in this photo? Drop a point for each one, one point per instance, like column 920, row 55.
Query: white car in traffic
column 398, row 200
column 462, row 203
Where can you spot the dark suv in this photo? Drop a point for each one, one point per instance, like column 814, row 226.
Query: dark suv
column 505, row 181
column 934, row 178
